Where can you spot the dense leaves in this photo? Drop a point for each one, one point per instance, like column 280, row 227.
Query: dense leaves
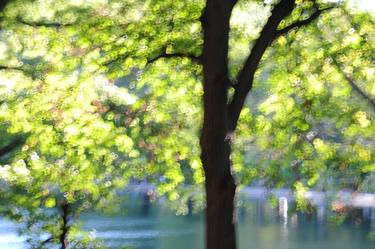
column 94, row 94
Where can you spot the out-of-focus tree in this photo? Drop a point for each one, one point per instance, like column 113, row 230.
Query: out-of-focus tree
column 70, row 158
column 73, row 136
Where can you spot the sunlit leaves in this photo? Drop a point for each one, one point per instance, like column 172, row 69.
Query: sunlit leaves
column 89, row 87
column 310, row 116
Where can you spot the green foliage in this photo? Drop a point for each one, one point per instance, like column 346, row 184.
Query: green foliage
column 104, row 92
column 93, row 114
column 311, row 123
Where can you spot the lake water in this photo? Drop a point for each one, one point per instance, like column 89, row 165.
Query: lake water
column 259, row 227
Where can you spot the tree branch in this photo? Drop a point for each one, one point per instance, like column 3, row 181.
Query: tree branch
column 11, row 146
column 301, row 23
column 245, row 77
column 46, row 241
column 44, row 23
column 2, row 67
column 353, row 85
column 360, row 91
column 164, row 54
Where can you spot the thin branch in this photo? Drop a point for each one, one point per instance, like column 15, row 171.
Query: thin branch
column 2, row 67
column 11, row 146
column 164, row 54
column 360, row 91
column 109, row 62
column 301, row 23
column 45, row 24
column 245, row 77
column 353, row 85
column 46, row 241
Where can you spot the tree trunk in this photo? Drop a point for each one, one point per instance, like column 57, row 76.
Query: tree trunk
column 221, row 116
column 216, row 135
column 65, row 226
column 220, row 185
column 220, row 221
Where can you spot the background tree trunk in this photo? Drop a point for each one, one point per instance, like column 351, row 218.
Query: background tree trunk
column 65, row 226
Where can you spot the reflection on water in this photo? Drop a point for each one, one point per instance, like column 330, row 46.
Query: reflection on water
column 8, row 235
column 259, row 227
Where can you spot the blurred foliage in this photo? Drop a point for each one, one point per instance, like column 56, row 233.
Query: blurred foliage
column 100, row 93
column 313, row 122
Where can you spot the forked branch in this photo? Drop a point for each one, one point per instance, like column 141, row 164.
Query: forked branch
column 245, row 78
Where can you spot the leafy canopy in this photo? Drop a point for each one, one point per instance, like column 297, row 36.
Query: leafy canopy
column 97, row 93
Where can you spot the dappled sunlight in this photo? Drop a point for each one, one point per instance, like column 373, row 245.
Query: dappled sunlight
column 256, row 113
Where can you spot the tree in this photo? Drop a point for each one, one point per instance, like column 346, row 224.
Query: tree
column 221, row 114
column 318, row 134
column 156, row 48
column 68, row 162
column 83, row 137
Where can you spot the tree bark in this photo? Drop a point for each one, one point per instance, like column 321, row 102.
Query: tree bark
column 220, row 117
column 215, row 139
column 65, row 226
